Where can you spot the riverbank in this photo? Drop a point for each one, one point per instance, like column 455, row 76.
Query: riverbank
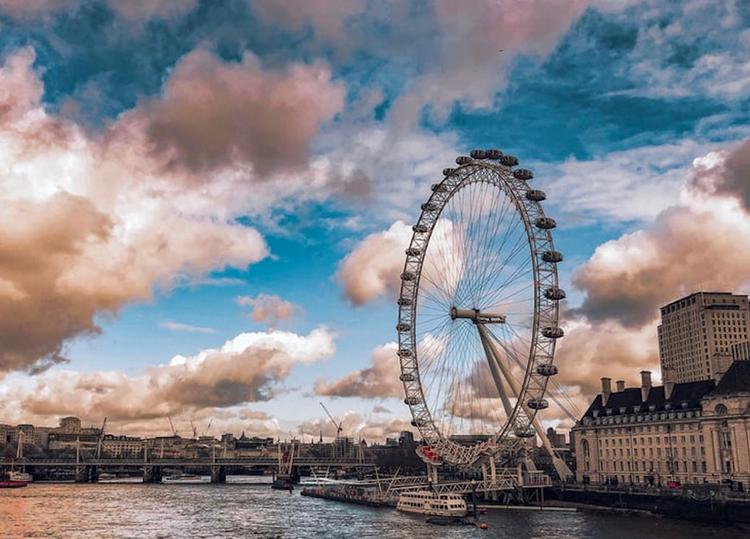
column 694, row 507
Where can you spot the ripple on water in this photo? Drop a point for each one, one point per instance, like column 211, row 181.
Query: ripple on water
column 236, row 510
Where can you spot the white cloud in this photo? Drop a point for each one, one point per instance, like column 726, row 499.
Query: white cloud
column 178, row 326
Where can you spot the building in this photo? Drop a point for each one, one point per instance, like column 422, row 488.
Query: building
column 696, row 334
column 122, row 446
column 406, row 437
column 741, row 351
column 691, row 432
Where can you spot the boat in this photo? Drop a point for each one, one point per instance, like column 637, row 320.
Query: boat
column 20, row 476
column 185, row 478
column 8, row 481
column 428, row 502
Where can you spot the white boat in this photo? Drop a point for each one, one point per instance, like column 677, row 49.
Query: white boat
column 427, row 502
column 20, row 476
column 186, row 478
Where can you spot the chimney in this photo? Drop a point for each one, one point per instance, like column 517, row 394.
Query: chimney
column 668, row 388
column 645, row 384
column 606, row 390
column 620, row 386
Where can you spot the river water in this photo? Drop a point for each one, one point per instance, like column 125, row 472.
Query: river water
column 245, row 510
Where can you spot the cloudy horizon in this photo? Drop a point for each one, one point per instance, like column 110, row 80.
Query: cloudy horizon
column 205, row 203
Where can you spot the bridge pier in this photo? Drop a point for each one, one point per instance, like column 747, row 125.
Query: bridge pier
column 87, row 474
column 218, row 474
column 152, row 474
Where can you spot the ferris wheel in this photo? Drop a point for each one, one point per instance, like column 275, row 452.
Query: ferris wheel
column 478, row 311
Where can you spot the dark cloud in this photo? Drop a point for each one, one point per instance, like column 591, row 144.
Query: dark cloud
column 380, row 380
column 215, row 114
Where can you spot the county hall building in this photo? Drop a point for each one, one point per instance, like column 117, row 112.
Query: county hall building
column 693, row 429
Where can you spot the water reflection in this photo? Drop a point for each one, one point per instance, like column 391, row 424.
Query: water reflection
column 252, row 510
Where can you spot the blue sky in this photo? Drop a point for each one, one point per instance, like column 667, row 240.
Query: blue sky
column 609, row 102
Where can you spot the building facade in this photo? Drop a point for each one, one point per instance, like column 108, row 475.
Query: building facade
column 741, row 351
column 691, row 432
column 697, row 332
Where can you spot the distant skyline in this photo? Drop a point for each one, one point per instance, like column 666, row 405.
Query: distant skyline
column 204, row 204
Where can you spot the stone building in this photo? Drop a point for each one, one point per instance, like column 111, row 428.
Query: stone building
column 691, row 432
column 697, row 332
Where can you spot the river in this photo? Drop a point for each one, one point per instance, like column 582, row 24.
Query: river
column 251, row 510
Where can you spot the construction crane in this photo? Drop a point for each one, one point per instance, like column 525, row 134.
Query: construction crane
column 337, row 425
column 171, row 425
column 195, row 430
column 208, row 428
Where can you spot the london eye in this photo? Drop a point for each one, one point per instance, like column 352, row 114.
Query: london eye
column 478, row 311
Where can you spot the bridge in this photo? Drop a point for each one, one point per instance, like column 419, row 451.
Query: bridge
column 88, row 470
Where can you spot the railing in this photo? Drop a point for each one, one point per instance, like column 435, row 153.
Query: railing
column 189, row 461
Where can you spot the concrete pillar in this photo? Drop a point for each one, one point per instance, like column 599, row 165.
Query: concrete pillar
column 218, row 474
column 82, row 474
column 152, row 474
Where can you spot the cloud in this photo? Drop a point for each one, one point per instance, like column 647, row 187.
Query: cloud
column 728, row 174
column 268, row 308
column 92, row 225
column 373, row 267
column 326, row 18
column 357, row 426
column 129, row 10
column 673, row 58
column 187, row 328
column 622, row 186
column 592, row 350
column 689, row 246
column 378, row 381
column 465, row 46
column 214, row 114
column 248, row 368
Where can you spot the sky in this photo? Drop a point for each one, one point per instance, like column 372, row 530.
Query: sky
column 204, row 203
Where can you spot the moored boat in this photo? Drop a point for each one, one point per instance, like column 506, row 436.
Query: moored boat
column 427, row 502
column 20, row 476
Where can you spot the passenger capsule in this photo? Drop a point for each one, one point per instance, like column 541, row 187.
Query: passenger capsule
column 405, row 352
column 448, row 171
column 545, row 223
column 537, row 404
column 404, row 302
column 523, row 174
column 493, row 154
column 420, row 228
column 413, row 251
column 546, row 369
column 478, row 154
column 553, row 257
column 463, row 160
column 411, row 401
column 407, row 377
column 552, row 332
column 408, row 276
column 524, row 432
column 439, row 188
column 554, row 293
column 535, row 195
column 403, row 327
column 428, row 206
column 509, row 160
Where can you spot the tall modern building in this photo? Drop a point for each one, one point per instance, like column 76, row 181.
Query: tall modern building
column 697, row 332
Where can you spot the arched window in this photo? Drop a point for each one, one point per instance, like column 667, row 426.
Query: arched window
column 586, row 454
column 720, row 409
